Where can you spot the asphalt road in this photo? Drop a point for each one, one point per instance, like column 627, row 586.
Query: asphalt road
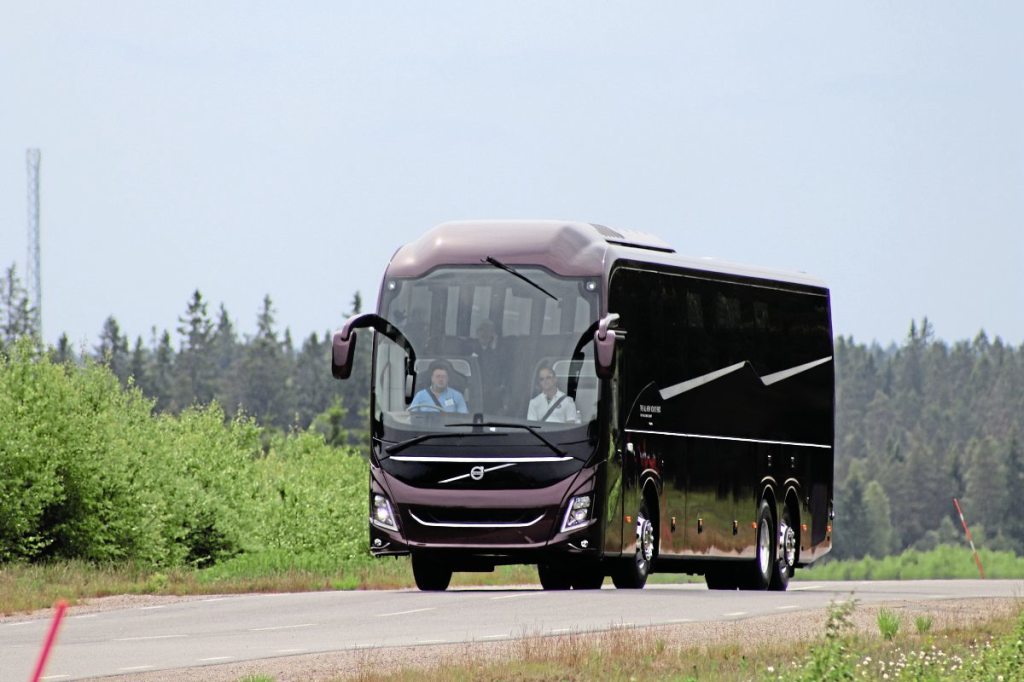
column 248, row 627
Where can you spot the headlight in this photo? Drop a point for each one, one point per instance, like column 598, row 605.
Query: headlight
column 578, row 513
column 381, row 513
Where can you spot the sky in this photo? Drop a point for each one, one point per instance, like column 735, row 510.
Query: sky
column 254, row 148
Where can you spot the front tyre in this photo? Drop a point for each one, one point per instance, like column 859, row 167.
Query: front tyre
column 430, row 574
column 554, row 576
column 632, row 573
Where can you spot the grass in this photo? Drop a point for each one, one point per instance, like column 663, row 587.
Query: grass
column 26, row 587
column 983, row 650
column 888, row 623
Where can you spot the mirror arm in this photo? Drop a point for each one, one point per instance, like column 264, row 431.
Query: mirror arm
column 343, row 344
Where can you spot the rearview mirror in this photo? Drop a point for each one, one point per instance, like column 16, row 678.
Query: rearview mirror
column 343, row 344
column 604, row 346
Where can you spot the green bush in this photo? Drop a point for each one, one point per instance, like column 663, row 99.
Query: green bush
column 90, row 473
column 945, row 561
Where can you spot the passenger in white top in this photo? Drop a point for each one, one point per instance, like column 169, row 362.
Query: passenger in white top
column 551, row 405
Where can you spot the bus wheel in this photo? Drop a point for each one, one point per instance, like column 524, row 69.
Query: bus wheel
column 764, row 563
column 789, row 541
column 632, row 573
column 430, row 575
column 589, row 576
column 554, row 577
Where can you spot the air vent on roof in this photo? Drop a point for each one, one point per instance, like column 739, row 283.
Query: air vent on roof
column 607, row 231
column 638, row 240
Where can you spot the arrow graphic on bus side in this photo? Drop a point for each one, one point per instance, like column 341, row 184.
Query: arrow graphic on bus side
column 767, row 380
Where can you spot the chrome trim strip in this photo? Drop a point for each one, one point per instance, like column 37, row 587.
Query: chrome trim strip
column 478, row 460
column 475, row 525
column 459, row 478
column 768, row 379
column 738, row 440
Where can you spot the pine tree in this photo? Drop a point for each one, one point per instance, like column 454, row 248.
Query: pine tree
column 315, row 389
column 17, row 317
column 881, row 536
column 224, row 350
column 194, row 366
column 161, row 373
column 112, row 349
column 986, row 493
column 851, row 524
column 264, row 376
column 62, row 353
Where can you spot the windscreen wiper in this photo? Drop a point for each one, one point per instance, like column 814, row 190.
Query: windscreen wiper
column 498, row 264
column 510, row 425
column 402, row 445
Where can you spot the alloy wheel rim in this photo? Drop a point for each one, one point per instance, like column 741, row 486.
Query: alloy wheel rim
column 645, row 535
column 763, row 547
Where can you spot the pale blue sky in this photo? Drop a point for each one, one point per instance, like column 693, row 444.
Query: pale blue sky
column 289, row 148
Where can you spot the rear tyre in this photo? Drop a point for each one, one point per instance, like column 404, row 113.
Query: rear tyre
column 430, row 574
column 760, row 573
column 554, row 576
column 789, row 545
column 632, row 573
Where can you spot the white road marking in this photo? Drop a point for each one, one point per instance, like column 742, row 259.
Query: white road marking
column 517, row 596
column 734, row 614
column 151, row 608
column 212, row 599
column 86, row 615
column 55, row 677
column 561, row 630
column 292, row 651
column 282, row 627
column 403, row 613
column 215, row 658
column 680, row 620
column 19, row 623
column 143, row 639
column 788, row 606
column 134, row 668
column 804, row 587
column 501, row 636
column 432, row 641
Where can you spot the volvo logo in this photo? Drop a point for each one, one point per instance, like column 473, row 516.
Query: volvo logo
column 477, row 472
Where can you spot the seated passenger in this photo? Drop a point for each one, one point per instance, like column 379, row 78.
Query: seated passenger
column 551, row 405
column 438, row 397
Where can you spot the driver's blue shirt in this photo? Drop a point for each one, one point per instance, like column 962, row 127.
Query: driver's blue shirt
column 450, row 399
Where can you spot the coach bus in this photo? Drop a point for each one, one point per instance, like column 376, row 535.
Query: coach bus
column 693, row 431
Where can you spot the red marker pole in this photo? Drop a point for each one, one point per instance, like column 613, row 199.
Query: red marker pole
column 51, row 637
column 967, row 530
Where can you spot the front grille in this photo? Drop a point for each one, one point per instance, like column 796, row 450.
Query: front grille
column 485, row 516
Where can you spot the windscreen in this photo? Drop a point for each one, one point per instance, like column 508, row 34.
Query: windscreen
column 494, row 344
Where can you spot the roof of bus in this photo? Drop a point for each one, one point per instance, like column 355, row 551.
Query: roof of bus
column 564, row 247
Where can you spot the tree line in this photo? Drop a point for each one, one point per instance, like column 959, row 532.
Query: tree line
column 265, row 375
column 917, row 424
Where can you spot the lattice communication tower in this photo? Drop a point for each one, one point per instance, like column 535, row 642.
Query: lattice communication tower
column 34, row 278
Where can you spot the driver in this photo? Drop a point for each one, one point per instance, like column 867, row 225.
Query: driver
column 551, row 405
column 438, row 397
